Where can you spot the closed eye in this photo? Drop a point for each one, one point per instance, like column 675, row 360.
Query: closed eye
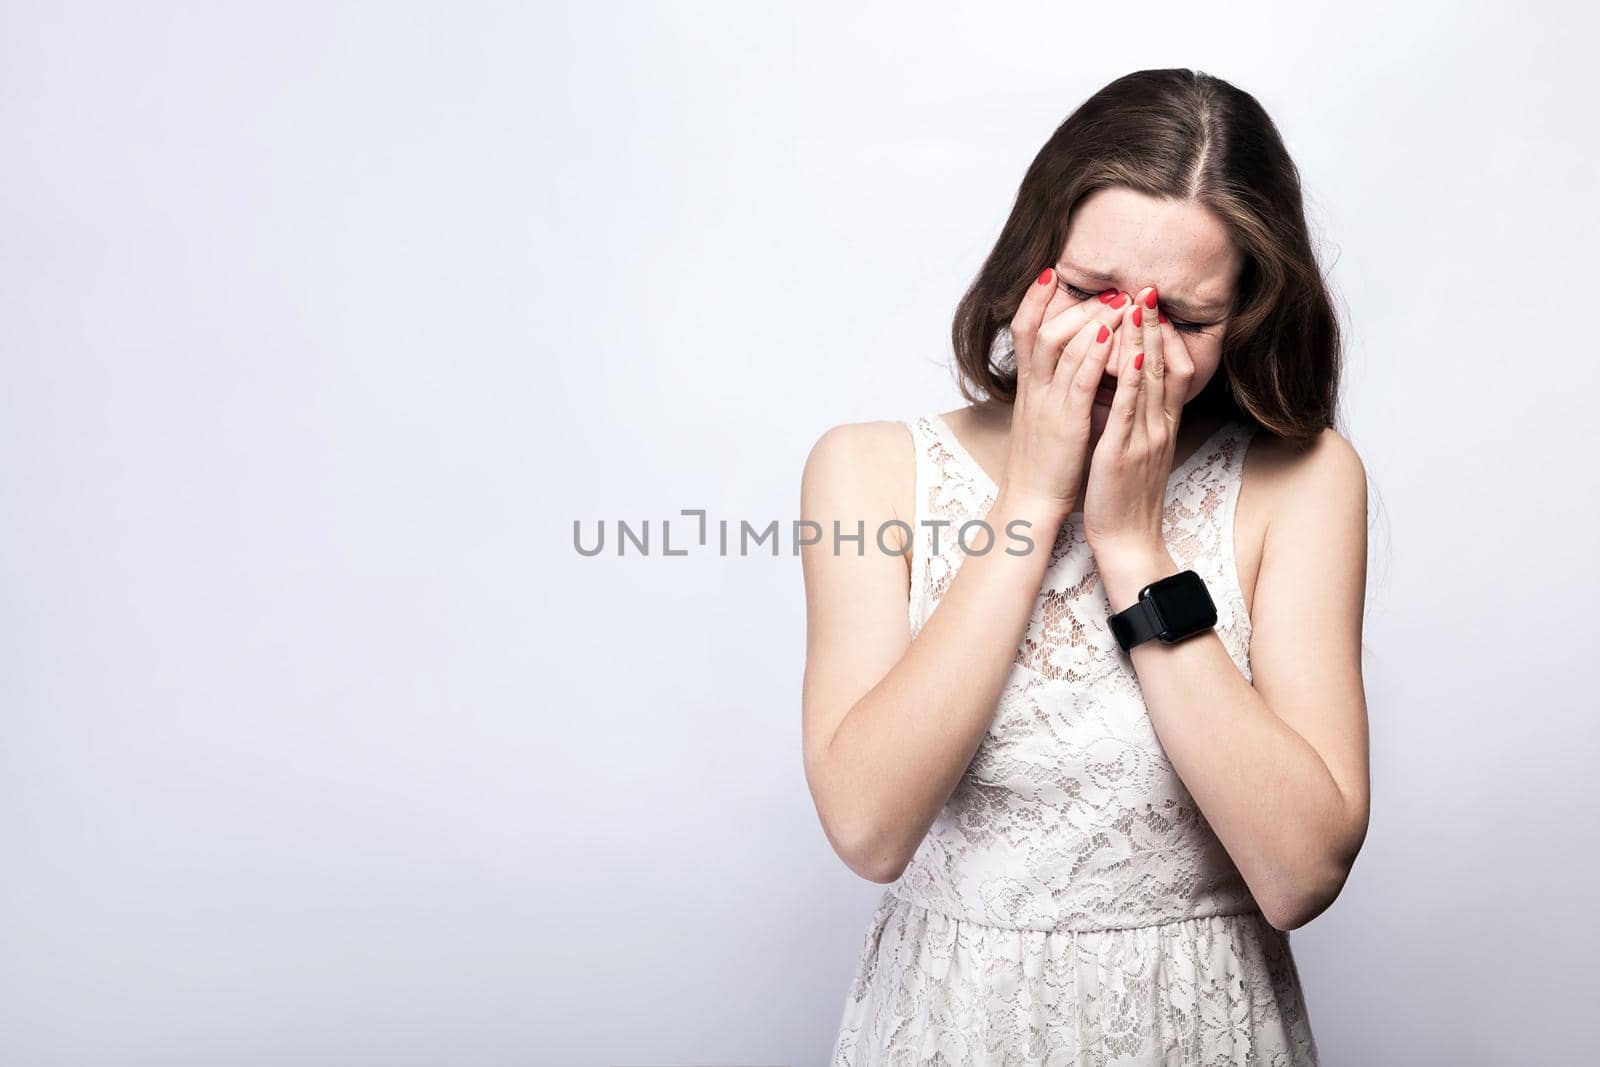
column 1180, row 325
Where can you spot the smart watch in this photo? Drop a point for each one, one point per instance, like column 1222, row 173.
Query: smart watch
column 1170, row 608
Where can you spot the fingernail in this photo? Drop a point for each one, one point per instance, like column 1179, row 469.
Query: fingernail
column 1102, row 335
column 1150, row 301
column 1045, row 276
column 1105, row 297
column 1118, row 300
column 1138, row 361
column 1161, row 317
column 1138, row 317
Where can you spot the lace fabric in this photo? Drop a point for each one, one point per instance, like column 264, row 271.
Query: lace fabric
column 1070, row 904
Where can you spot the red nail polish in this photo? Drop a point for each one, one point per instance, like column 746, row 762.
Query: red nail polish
column 1102, row 335
column 1163, row 318
column 1118, row 300
column 1150, row 300
column 1138, row 361
column 1138, row 317
column 1045, row 276
column 1105, row 297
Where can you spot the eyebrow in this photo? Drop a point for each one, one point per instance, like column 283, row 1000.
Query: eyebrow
column 1183, row 307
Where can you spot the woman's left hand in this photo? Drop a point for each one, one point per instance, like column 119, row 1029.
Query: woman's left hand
column 1125, row 491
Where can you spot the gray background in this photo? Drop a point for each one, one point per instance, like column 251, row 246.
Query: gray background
column 319, row 743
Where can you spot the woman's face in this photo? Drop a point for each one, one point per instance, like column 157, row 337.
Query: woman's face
column 1121, row 239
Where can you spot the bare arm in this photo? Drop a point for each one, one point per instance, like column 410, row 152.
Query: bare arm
column 891, row 723
column 1280, row 766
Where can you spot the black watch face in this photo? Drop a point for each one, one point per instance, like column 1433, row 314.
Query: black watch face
column 1183, row 604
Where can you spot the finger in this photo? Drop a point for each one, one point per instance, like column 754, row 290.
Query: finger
column 1025, row 323
column 1127, row 338
column 1084, row 381
column 1136, row 356
column 1180, row 370
column 1113, row 298
column 1147, row 318
column 1056, row 332
column 1124, row 404
column 1094, row 336
column 1130, row 340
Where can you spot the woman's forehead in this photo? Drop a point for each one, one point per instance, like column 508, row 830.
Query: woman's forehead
column 1124, row 238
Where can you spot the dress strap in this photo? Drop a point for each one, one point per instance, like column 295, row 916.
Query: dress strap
column 923, row 437
column 951, row 489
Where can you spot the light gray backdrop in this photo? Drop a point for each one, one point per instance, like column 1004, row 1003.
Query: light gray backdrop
column 321, row 323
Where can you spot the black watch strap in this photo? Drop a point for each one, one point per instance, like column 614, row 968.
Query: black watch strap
column 1136, row 624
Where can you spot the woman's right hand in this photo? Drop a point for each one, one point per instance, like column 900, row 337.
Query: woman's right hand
column 1060, row 362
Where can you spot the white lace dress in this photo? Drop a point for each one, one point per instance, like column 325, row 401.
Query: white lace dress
column 1070, row 905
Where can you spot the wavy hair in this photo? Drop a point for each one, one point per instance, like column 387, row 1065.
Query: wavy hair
column 1204, row 140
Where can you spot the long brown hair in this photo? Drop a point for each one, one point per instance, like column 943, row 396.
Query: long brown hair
column 1199, row 138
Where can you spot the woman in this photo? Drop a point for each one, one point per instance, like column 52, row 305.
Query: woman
column 1099, row 815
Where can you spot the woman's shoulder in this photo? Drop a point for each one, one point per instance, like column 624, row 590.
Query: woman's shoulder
column 872, row 444
column 883, row 450
column 867, row 464
column 1310, row 475
column 1326, row 454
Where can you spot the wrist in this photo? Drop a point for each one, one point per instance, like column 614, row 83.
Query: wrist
column 1022, row 518
column 1125, row 571
column 1040, row 511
